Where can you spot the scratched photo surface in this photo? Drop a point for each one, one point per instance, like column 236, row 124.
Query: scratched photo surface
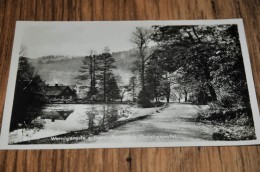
column 129, row 84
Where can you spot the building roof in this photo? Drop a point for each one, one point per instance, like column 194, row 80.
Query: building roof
column 83, row 86
column 54, row 90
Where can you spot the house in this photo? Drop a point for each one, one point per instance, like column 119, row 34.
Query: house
column 60, row 93
column 74, row 88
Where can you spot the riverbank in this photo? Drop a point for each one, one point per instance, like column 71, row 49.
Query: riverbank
column 79, row 135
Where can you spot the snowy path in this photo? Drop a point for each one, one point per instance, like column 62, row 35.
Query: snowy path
column 175, row 123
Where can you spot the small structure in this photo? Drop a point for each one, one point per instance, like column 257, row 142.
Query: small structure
column 63, row 94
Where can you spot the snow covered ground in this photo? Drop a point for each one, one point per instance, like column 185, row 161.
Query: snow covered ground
column 132, row 112
column 77, row 120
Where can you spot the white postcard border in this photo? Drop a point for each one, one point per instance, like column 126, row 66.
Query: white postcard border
column 20, row 25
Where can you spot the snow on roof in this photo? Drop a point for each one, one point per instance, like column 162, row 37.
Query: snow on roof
column 54, row 90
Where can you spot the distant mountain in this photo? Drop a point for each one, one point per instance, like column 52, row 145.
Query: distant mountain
column 63, row 69
column 57, row 70
column 124, row 63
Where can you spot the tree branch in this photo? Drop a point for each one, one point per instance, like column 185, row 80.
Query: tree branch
column 194, row 31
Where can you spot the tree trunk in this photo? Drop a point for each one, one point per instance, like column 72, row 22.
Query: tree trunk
column 212, row 92
column 168, row 94
column 168, row 98
column 104, row 115
column 122, row 96
column 133, row 91
column 104, row 80
column 142, row 73
column 168, row 89
column 185, row 95
column 91, row 72
column 94, row 72
column 195, row 33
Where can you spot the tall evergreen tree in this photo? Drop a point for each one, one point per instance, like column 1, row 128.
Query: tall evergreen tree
column 112, row 88
column 154, row 77
column 105, row 67
column 29, row 94
column 87, row 74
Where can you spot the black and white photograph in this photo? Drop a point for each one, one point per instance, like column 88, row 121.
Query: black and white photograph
column 130, row 84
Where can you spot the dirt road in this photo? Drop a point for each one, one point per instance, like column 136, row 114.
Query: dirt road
column 174, row 123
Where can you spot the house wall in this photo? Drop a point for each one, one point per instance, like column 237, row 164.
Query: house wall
column 68, row 94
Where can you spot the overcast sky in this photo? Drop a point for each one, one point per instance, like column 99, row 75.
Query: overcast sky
column 76, row 39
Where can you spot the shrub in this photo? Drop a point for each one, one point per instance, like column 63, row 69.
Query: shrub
column 227, row 101
column 144, row 100
column 158, row 104
column 234, row 133
column 215, row 105
column 234, row 116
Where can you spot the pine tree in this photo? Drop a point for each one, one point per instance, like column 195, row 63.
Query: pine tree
column 29, row 93
column 87, row 75
column 105, row 67
column 154, row 77
column 112, row 89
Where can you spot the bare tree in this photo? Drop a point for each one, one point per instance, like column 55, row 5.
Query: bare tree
column 141, row 38
column 23, row 50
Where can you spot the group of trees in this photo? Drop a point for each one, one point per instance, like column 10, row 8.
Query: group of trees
column 97, row 73
column 29, row 95
column 204, row 62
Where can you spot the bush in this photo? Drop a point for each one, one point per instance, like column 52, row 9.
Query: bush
column 144, row 100
column 227, row 101
column 214, row 105
column 158, row 104
column 234, row 133
column 235, row 116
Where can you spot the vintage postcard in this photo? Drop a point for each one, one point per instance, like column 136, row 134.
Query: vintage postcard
column 113, row 84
